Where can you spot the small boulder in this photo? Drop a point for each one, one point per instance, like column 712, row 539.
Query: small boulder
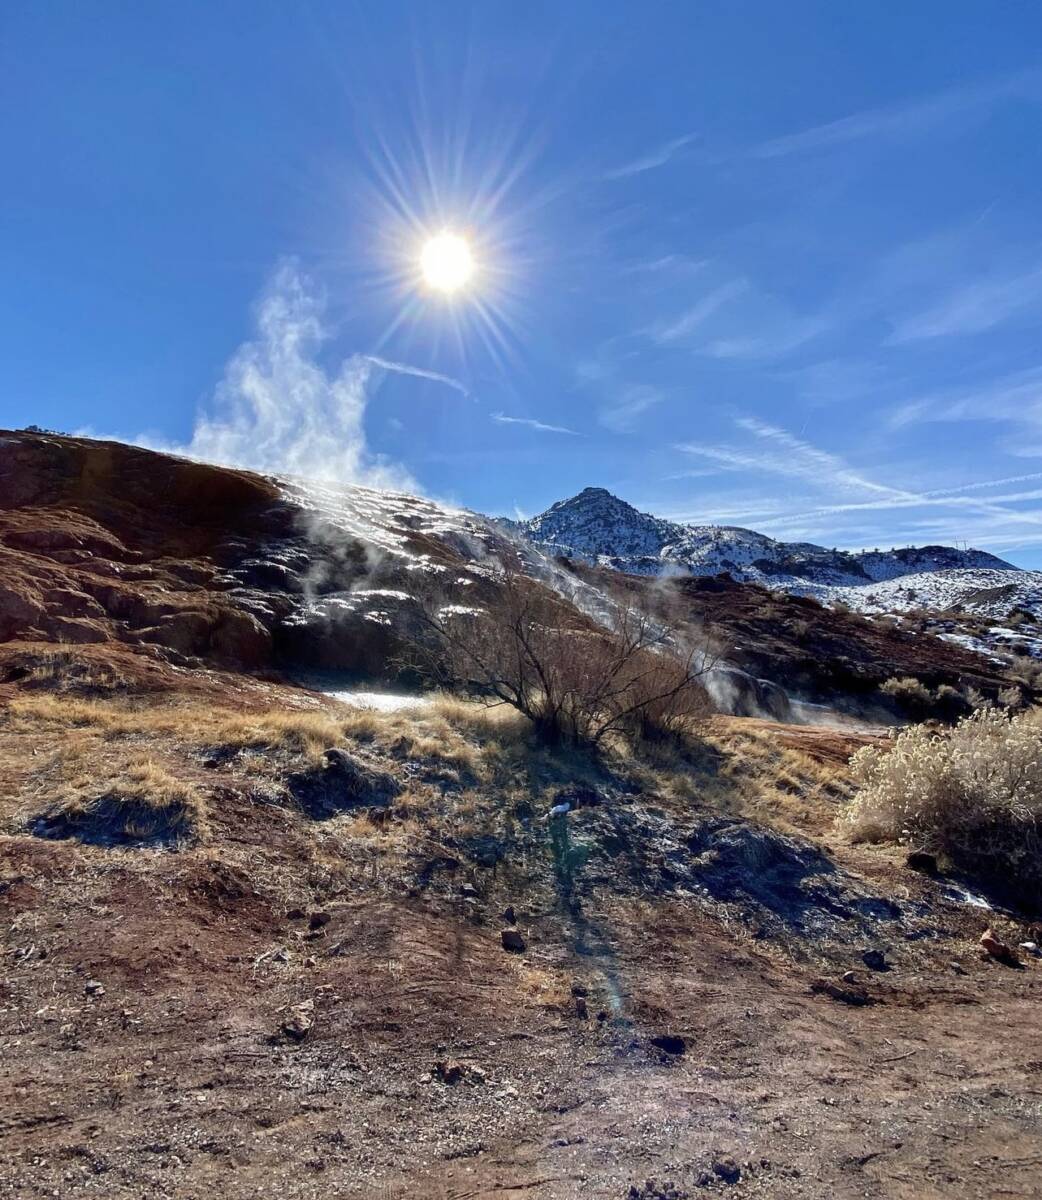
column 923, row 861
column 448, row 1072
column 319, row 919
column 846, row 993
column 998, row 949
column 725, row 1168
column 94, row 987
column 875, row 960
column 509, row 915
column 512, row 941
column 300, row 1020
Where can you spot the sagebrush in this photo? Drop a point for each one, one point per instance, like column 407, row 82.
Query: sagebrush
column 973, row 795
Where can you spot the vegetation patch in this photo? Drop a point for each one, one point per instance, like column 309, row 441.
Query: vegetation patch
column 143, row 804
column 973, row 795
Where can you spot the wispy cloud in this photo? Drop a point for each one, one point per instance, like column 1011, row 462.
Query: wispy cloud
column 648, row 162
column 694, row 317
column 911, row 119
column 802, row 459
column 1015, row 398
column 529, row 423
column 972, row 308
column 400, row 368
column 736, row 319
column 627, row 402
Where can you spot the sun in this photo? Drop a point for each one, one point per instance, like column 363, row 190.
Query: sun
column 447, row 263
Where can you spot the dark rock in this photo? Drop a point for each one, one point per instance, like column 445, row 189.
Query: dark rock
column 651, row 1189
column 845, row 993
column 875, row 960
column 922, row 860
column 579, row 795
column 319, row 919
column 725, row 1168
column 512, row 941
column 94, row 987
column 448, row 1072
column 669, row 1043
column 581, row 1009
column 509, row 915
column 341, row 784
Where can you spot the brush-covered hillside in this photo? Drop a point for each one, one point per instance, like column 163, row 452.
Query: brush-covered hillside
column 299, row 897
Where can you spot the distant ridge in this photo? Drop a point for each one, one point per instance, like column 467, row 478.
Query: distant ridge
column 597, row 527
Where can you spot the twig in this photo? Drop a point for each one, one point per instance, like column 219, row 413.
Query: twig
column 896, row 1057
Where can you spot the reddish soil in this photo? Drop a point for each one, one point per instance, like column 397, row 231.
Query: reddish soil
column 145, row 992
column 816, row 652
column 175, row 1078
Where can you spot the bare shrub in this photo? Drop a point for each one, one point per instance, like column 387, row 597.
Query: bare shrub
column 576, row 681
column 909, row 693
column 918, row 702
column 973, row 795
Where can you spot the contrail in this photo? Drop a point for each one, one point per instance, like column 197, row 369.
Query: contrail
column 420, row 372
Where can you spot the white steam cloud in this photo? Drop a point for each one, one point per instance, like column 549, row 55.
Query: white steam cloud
column 279, row 411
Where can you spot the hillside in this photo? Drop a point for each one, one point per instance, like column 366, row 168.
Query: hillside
column 259, row 940
column 165, row 563
column 601, row 529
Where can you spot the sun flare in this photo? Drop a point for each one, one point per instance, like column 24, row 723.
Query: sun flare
column 447, row 263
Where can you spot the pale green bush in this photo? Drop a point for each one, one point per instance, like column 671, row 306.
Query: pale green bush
column 973, row 795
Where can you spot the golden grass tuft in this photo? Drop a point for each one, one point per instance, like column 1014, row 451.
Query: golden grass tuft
column 139, row 800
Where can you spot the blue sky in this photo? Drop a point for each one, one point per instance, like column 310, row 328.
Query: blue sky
column 768, row 264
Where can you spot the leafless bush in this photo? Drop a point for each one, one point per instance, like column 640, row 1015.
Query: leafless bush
column 917, row 701
column 576, row 681
column 974, row 795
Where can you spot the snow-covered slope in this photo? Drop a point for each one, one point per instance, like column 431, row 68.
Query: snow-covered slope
column 986, row 593
column 599, row 528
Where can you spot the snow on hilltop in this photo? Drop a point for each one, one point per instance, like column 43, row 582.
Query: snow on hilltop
column 599, row 528
column 987, row 593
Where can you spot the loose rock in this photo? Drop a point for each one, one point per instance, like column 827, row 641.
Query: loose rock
column 922, row 860
column 512, row 941
column 725, row 1168
column 300, row 1021
column 843, row 992
column 448, row 1072
column 875, row 960
column 998, row 949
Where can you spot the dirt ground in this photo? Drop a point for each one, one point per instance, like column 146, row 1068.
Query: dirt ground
column 146, row 993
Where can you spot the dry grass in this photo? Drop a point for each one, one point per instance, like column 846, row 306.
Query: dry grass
column 136, row 800
column 471, row 765
column 974, row 795
column 69, row 669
